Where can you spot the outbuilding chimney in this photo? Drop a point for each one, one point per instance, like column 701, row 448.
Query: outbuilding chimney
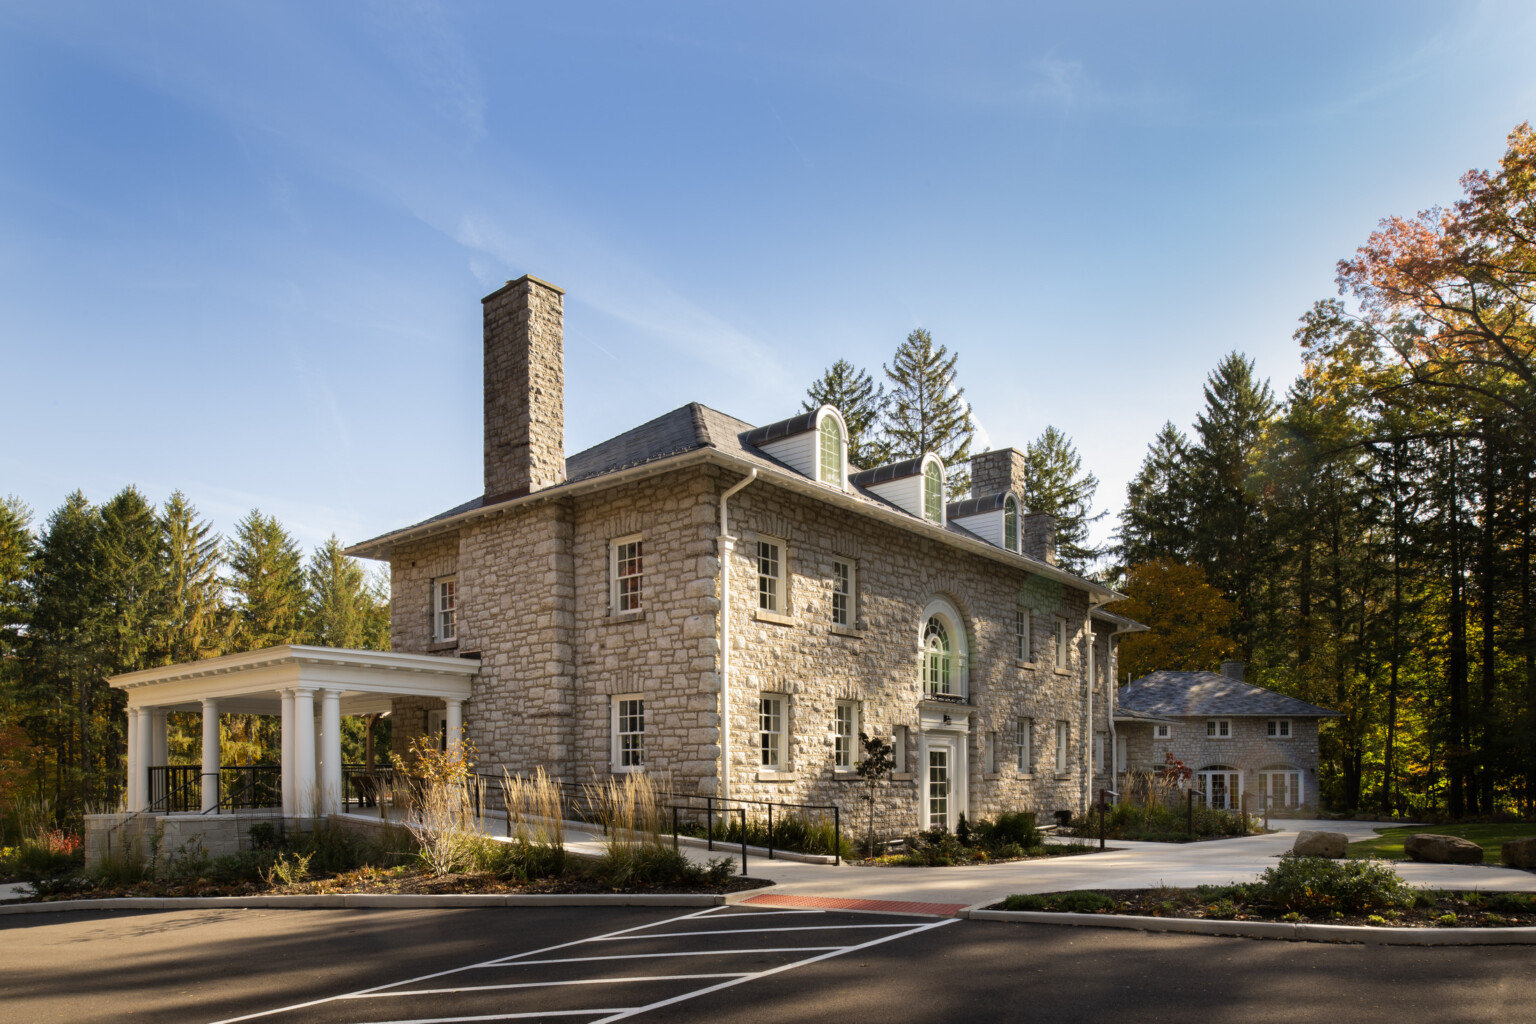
column 997, row 471
column 1232, row 670
column 1040, row 537
column 524, row 388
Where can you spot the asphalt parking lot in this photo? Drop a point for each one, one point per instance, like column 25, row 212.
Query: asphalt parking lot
column 595, row 964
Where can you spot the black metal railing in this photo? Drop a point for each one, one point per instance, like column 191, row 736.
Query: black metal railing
column 369, row 788
column 178, row 788
column 711, row 805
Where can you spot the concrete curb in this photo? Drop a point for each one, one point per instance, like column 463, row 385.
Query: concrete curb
column 1270, row 929
column 380, row 901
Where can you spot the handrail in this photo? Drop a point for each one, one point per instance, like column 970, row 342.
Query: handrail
column 691, row 803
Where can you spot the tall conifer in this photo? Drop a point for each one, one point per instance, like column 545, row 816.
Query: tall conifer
column 344, row 605
column 1055, row 482
column 268, row 583
column 927, row 410
column 861, row 402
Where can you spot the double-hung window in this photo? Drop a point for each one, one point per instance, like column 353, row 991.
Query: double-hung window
column 628, row 732
column 770, row 576
column 1021, row 730
column 1021, row 645
column 445, row 606
column 772, row 735
column 1218, row 729
column 627, row 571
column 989, row 753
column 1063, row 746
column 842, row 594
column 1098, row 753
column 1061, row 645
column 845, row 732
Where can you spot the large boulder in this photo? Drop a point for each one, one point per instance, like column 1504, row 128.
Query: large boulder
column 1519, row 853
column 1320, row 844
column 1435, row 849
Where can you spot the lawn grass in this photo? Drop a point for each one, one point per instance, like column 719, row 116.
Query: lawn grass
column 1389, row 843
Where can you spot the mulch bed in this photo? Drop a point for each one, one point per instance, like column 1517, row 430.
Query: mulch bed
column 1471, row 910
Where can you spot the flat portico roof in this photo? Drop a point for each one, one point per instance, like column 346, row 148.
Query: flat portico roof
column 252, row 682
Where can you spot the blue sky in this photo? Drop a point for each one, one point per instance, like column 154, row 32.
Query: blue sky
column 242, row 245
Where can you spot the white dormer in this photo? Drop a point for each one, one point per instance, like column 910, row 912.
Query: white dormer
column 916, row 485
column 992, row 517
column 814, row 444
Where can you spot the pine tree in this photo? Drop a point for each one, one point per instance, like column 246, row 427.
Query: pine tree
column 1055, row 482
column 268, row 584
column 1155, row 523
column 195, row 624
column 16, row 553
column 856, row 396
column 927, row 411
column 344, row 605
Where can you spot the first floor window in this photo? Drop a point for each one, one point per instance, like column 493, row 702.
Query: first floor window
column 770, row 576
column 1098, row 753
column 1021, row 744
column 770, row 726
column 845, row 734
column 628, row 732
column 628, row 575
column 900, row 743
column 989, row 753
column 1061, row 643
column 842, row 593
column 1222, row 787
column 445, row 606
column 1279, row 729
column 1063, row 745
column 1218, row 729
column 1021, row 634
column 1120, row 752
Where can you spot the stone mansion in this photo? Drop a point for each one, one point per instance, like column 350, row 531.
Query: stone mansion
column 729, row 606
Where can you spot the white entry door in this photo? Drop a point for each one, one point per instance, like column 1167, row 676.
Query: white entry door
column 944, row 787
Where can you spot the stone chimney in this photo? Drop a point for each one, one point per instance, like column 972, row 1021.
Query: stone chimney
column 524, row 388
column 1232, row 670
column 1040, row 537
column 997, row 471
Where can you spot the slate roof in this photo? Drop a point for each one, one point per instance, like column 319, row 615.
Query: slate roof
column 976, row 506
column 1206, row 694
column 1130, row 715
column 885, row 474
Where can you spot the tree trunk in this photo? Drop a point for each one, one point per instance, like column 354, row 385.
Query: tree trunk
column 1456, row 748
column 1487, row 759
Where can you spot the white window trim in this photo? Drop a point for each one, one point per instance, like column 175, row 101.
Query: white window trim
column 842, row 450
column 853, row 737
column 1162, row 732
column 851, row 605
column 613, row 574
column 783, row 733
column 1300, row 795
column 1063, row 646
column 1023, row 742
column 438, row 635
column 901, row 740
column 781, row 603
column 1283, row 729
column 1213, row 728
column 616, row 754
column 1023, row 642
column 1063, row 746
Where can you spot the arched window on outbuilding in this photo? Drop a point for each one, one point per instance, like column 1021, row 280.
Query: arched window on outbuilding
column 833, row 454
column 1011, row 523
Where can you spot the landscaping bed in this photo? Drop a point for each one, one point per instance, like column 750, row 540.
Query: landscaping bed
column 1490, row 836
column 1008, row 837
column 1302, row 890
column 1165, row 824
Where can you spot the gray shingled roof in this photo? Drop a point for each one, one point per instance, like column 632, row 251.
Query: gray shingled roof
column 1200, row 694
column 976, row 506
column 885, row 474
column 1131, row 715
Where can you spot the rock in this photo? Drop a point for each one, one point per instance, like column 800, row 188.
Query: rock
column 1320, row 844
column 1438, row 849
column 1519, row 853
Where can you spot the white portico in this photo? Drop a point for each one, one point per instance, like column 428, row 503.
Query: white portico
column 310, row 687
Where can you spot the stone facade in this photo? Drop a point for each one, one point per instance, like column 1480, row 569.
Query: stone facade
column 1249, row 750
column 524, row 388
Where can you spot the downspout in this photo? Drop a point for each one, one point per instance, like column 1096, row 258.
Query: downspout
column 727, row 545
column 1088, row 666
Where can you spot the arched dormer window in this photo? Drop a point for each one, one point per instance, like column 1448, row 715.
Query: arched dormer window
column 933, row 492
column 1011, row 523
column 832, row 454
column 944, row 651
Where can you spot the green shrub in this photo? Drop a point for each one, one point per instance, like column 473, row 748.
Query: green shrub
column 517, row 859
column 644, row 864
column 1162, row 823
column 1309, row 884
column 1222, row 910
column 1510, row 903
column 1210, row 893
column 1024, row 901
column 121, row 867
column 1076, row 902
column 1012, row 829
column 793, row 833
column 241, row 866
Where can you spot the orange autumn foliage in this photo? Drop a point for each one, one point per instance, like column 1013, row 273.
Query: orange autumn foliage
column 1189, row 619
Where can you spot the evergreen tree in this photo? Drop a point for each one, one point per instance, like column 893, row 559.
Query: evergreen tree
column 196, row 622
column 268, row 584
column 345, row 609
column 856, row 396
column 927, row 411
column 1055, row 482
column 1155, row 523
column 16, row 553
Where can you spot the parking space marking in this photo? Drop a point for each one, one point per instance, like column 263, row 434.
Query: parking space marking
column 541, row 984
column 747, row 931
column 648, row 956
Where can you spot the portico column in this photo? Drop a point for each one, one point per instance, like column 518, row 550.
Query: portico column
column 210, row 753
column 159, row 747
column 330, row 732
column 304, row 752
column 145, row 747
column 135, row 763
column 454, row 721
column 290, row 808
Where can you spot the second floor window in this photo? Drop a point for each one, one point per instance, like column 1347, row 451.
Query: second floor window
column 842, row 593
column 770, row 576
column 1021, row 634
column 1063, row 746
column 1061, row 644
column 445, row 605
column 937, row 664
column 628, row 575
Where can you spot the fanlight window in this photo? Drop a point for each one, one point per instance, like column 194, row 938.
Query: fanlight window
column 831, row 452
column 933, row 493
column 938, row 658
column 1011, row 524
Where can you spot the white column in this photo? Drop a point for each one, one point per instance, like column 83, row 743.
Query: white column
column 304, row 752
column 145, row 746
column 135, row 764
column 210, row 753
column 330, row 732
column 160, row 739
column 454, row 720
column 290, row 807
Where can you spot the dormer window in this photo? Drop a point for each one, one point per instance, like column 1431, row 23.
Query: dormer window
column 1011, row 524
column 831, row 451
column 933, row 493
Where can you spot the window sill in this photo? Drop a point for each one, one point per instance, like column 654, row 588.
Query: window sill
column 1021, row 663
column 901, row 776
column 776, row 776
column 763, row 615
column 442, row 645
column 846, row 775
column 845, row 631
column 1062, row 776
column 623, row 617
column 1062, row 671
column 990, row 776
column 1026, row 772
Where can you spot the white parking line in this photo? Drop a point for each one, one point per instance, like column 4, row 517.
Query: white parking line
column 541, row 984
column 746, row 931
column 647, row 956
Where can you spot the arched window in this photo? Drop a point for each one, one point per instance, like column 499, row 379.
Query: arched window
column 831, row 451
column 1010, row 524
column 933, row 493
column 944, row 650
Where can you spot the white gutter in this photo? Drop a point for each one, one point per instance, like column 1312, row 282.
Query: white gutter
column 727, row 545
